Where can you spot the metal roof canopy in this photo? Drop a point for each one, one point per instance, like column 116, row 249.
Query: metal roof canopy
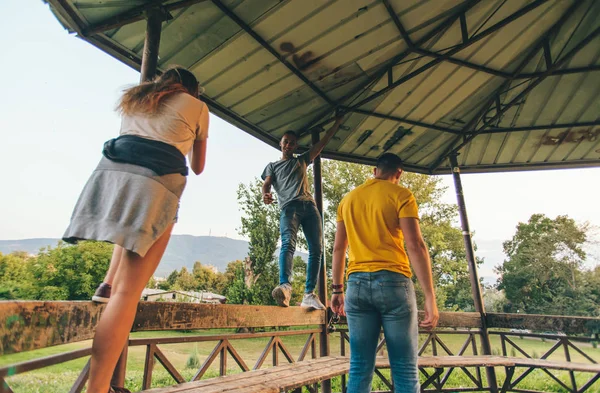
column 509, row 84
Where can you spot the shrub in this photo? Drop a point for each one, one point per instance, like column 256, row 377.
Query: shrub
column 193, row 360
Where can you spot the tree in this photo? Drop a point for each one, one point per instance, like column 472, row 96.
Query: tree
column 152, row 283
column 185, row 281
column 238, row 292
column 544, row 271
column 70, row 272
column 227, row 278
column 299, row 280
column 170, row 281
column 260, row 224
column 205, row 278
column 16, row 281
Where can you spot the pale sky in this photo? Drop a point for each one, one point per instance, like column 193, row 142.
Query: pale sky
column 56, row 111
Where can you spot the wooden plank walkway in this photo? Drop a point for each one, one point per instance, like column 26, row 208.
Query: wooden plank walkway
column 291, row 376
column 557, row 365
column 294, row 375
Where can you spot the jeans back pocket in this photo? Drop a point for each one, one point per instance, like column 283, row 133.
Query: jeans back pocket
column 395, row 297
column 352, row 300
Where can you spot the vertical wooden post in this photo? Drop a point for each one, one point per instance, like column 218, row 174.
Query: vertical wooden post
column 324, row 335
column 154, row 17
column 4, row 388
column 223, row 360
column 473, row 273
column 118, row 378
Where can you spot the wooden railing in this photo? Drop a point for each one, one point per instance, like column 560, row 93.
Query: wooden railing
column 567, row 333
column 26, row 326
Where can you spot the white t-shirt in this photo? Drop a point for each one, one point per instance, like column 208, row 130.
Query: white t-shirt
column 182, row 120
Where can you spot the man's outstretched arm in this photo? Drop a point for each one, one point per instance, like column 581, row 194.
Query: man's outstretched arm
column 318, row 147
column 419, row 258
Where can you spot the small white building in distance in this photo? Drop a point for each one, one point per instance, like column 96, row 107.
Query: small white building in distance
column 158, row 295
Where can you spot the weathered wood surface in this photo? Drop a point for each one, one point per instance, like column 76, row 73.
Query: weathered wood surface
column 457, row 319
column 239, row 378
column 290, row 376
column 27, row 325
column 550, row 323
column 557, row 365
column 454, row 361
column 304, row 373
column 47, row 361
column 217, row 337
column 450, row 319
column 186, row 316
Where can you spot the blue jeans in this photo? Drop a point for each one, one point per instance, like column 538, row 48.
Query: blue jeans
column 293, row 215
column 374, row 300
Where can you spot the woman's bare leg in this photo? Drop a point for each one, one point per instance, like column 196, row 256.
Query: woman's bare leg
column 131, row 277
column 114, row 265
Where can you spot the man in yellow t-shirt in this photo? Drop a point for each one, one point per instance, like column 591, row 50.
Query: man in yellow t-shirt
column 376, row 219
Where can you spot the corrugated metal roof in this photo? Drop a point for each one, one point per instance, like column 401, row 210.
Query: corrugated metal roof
column 509, row 84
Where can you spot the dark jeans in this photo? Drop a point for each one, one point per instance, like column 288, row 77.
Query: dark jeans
column 382, row 299
column 294, row 215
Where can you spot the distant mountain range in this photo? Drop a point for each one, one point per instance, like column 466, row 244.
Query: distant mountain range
column 183, row 250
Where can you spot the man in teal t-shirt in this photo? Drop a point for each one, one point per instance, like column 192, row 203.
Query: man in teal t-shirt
column 288, row 177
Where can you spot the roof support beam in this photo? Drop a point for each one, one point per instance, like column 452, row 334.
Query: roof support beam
column 488, row 122
column 564, row 71
column 464, row 63
column 135, row 14
column 403, row 120
column 271, row 50
column 398, row 24
column 417, row 49
column 67, row 12
column 547, row 53
column 398, row 58
column 388, row 69
column 541, row 127
column 458, row 48
column 464, row 29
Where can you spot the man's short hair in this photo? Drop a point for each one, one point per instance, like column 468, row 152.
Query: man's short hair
column 389, row 163
column 290, row 132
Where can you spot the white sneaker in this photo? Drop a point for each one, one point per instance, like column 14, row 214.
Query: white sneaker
column 282, row 294
column 310, row 300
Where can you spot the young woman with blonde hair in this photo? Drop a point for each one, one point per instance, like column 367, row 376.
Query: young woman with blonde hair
column 132, row 199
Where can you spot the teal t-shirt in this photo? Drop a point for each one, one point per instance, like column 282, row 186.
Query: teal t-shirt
column 289, row 179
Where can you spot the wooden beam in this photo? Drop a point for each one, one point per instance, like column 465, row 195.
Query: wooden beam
column 457, row 319
column 26, row 325
column 551, row 323
column 450, row 319
column 186, row 316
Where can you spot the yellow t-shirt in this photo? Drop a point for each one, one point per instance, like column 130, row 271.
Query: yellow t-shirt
column 371, row 214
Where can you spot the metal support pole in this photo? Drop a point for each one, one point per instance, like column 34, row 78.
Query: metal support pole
column 154, row 18
column 322, row 285
column 473, row 274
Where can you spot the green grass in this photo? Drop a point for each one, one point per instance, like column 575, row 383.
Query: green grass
column 59, row 378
